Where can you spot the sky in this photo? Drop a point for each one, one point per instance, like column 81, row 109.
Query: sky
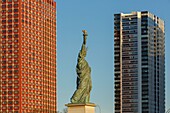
column 96, row 16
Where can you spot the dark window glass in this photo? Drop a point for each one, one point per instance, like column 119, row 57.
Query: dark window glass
column 9, row 5
column 15, row 10
column 9, row 36
column 15, row 5
column 10, row 11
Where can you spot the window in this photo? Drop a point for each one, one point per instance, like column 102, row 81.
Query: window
column 9, row 5
column 15, row 10
column 16, row 102
column 15, row 20
column 9, row 31
column 3, row 6
column 3, row 36
column 10, row 67
column 15, row 35
column 3, row 26
column 10, row 102
column 3, row 16
column 3, row 46
column 15, row 61
column 4, row 107
column 4, row 102
column 9, row 87
column 15, row 51
column 9, row 92
column 10, row 16
column 16, row 66
column 3, row 57
column 9, row 82
column 10, row 11
column 15, row 40
column 3, row 21
column 3, row 87
column 15, row 5
column 16, row 87
column 15, row 46
column 15, row 25
column 10, row 61
column 16, row 30
column 9, row 36
column 10, row 97
column 16, row 71
column 3, row 0
column 4, row 92
column 3, row 41
column 9, row 46
column 16, row 97
column 3, row 51
column 9, row 26
column 9, row 72
column 9, row 41
column 3, row 77
column 15, row 15
column 3, row 72
column 3, row 31
column 16, row 107
column 16, row 92
column 3, row 11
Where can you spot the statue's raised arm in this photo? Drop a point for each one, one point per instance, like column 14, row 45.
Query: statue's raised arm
column 84, row 36
column 84, row 84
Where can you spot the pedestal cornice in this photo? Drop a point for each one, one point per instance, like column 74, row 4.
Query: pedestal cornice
column 86, row 104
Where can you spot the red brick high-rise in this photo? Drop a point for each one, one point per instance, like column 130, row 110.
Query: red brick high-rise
column 28, row 56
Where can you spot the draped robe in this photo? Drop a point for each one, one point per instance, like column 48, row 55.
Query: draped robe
column 84, row 84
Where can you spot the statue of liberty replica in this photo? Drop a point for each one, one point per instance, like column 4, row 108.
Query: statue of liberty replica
column 84, row 84
column 80, row 101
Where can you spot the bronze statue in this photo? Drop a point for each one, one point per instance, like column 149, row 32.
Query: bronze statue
column 84, row 84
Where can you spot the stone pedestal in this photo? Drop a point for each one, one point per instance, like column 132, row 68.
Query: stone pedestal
column 81, row 108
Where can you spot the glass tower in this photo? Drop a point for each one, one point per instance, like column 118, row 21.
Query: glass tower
column 27, row 56
column 139, row 63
